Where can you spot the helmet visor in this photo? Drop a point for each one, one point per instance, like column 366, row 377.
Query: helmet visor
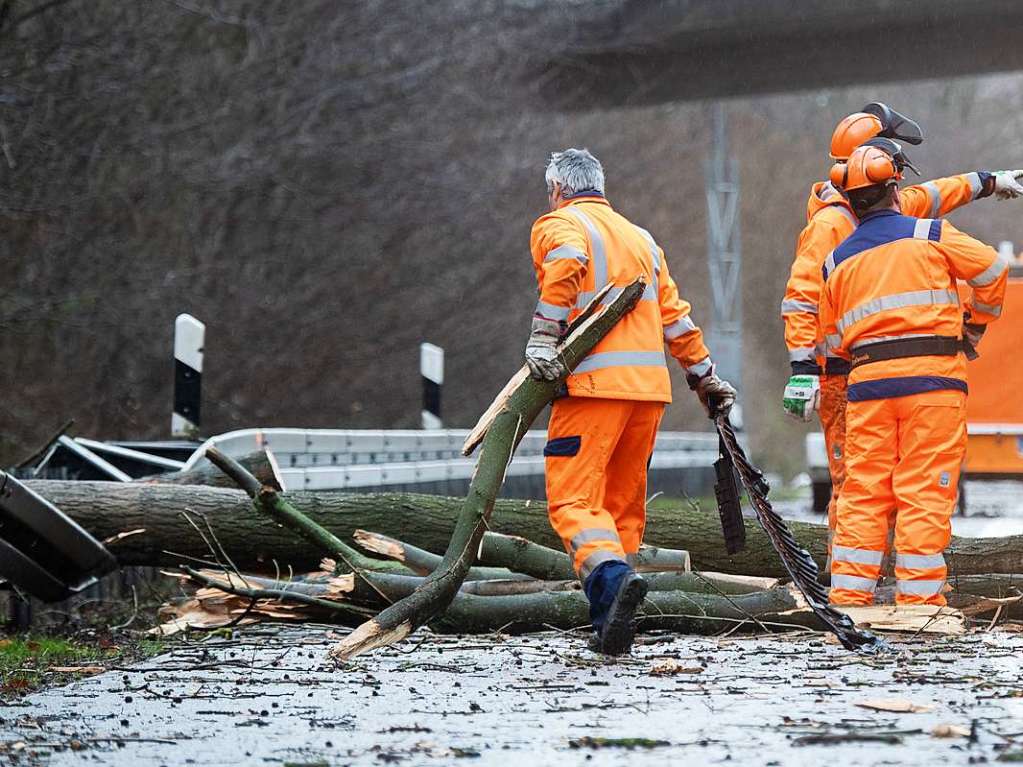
column 895, row 125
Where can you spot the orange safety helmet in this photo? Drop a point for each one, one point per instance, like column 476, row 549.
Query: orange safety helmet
column 867, row 166
column 852, row 132
column 873, row 121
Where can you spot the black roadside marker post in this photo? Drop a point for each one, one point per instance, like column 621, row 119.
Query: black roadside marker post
column 189, row 336
column 431, row 367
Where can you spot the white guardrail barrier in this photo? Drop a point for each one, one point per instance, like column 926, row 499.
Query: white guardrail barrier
column 337, row 459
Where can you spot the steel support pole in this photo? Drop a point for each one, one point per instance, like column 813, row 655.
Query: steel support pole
column 724, row 254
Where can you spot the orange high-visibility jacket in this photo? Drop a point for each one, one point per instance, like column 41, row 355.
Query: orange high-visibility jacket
column 578, row 249
column 830, row 220
column 894, row 279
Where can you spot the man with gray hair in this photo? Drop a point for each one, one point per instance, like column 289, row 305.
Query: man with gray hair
column 601, row 435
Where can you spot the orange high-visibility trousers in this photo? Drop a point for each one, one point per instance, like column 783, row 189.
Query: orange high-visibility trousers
column 905, row 454
column 596, row 464
column 832, row 415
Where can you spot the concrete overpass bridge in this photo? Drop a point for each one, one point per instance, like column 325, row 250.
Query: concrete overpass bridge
column 629, row 52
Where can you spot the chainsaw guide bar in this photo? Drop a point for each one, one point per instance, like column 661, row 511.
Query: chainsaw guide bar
column 800, row 566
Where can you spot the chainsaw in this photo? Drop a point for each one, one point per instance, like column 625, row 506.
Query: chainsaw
column 801, row 567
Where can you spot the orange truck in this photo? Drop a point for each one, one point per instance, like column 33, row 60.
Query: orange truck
column 994, row 413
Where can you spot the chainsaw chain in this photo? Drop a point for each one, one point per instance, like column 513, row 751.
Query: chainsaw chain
column 800, row 565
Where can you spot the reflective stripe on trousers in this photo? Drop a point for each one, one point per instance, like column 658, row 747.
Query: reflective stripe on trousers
column 590, row 534
column 857, row 556
column 853, row 583
column 595, row 560
column 915, row 588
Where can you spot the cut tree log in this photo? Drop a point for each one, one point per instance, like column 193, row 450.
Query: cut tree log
column 518, row 410
column 256, row 543
column 523, row 556
column 424, row 562
column 262, row 465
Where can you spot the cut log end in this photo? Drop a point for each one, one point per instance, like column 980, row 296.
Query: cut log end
column 380, row 544
column 369, row 636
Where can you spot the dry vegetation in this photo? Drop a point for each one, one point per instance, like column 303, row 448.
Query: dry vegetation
column 328, row 184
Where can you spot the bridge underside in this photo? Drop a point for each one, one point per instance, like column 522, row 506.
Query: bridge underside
column 645, row 51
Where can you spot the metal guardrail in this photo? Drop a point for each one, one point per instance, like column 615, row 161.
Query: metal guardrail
column 339, row 459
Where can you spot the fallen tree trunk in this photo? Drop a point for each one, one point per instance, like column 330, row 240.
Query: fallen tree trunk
column 262, row 465
column 468, row 613
column 256, row 543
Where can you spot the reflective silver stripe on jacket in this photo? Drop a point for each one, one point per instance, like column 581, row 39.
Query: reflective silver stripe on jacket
column 655, row 257
column 853, row 582
column 898, row 301
column 992, row 309
column 678, row 328
column 990, row 274
column 919, row 588
column 701, row 368
column 922, row 229
column 552, row 312
column 856, row 556
column 599, row 262
column 591, row 534
column 921, row 561
column 975, row 183
column 594, row 560
column 935, row 196
column 602, row 360
column 848, row 214
column 791, row 306
column 564, row 252
column 805, row 354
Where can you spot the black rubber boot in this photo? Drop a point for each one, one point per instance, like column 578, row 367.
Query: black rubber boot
column 615, row 636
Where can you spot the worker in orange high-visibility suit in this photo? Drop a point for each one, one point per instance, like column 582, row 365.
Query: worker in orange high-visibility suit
column 890, row 305
column 601, row 435
column 818, row 379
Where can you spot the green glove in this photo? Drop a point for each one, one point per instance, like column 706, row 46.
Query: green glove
column 802, row 397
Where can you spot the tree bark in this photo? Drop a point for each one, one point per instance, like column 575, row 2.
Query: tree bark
column 518, row 410
column 256, row 543
column 262, row 465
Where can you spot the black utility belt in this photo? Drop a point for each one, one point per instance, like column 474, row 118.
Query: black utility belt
column 899, row 348
column 836, row 366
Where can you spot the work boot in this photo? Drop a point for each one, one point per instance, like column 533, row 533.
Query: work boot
column 616, row 633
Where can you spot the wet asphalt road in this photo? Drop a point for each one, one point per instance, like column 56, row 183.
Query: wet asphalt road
column 270, row 697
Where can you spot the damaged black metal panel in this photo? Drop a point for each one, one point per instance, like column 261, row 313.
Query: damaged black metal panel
column 44, row 552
